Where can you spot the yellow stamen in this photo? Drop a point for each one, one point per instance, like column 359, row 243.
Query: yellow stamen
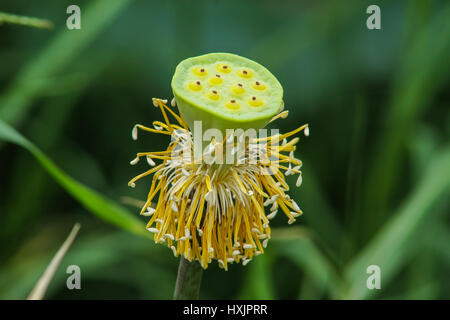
column 203, row 212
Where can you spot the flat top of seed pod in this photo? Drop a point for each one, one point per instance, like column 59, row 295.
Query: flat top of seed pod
column 228, row 86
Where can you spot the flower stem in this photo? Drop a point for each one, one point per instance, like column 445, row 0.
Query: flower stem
column 189, row 279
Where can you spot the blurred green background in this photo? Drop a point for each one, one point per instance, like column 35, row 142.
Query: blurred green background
column 376, row 165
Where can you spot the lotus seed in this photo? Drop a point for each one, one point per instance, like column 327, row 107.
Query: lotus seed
column 258, row 86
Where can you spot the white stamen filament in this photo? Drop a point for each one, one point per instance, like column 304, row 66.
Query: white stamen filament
column 272, row 214
column 150, row 161
column 150, row 211
column 134, row 133
column 299, row 180
column 295, row 205
column 170, row 236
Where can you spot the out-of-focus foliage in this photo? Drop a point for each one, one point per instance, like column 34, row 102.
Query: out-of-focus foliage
column 376, row 165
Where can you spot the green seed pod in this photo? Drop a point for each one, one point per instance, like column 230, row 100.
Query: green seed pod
column 226, row 91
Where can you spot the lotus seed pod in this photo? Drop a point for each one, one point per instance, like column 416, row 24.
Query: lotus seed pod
column 226, row 91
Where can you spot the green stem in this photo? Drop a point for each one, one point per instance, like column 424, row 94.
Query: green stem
column 189, row 279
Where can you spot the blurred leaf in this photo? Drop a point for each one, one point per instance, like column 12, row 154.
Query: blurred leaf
column 90, row 199
column 421, row 148
column 422, row 72
column 352, row 210
column 318, row 213
column 19, row 212
column 100, row 257
column 421, row 278
column 258, row 284
column 36, row 77
column 296, row 244
column 323, row 20
column 40, row 289
column 309, row 290
column 388, row 249
column 440, row 240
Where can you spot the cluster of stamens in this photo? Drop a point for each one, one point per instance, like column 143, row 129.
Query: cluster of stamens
column 206, row 211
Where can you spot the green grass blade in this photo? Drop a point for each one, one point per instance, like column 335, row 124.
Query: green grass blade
column 99, row 205
column 67, row 45
column 41, row 286
column 389, row 248
column 25, row 21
